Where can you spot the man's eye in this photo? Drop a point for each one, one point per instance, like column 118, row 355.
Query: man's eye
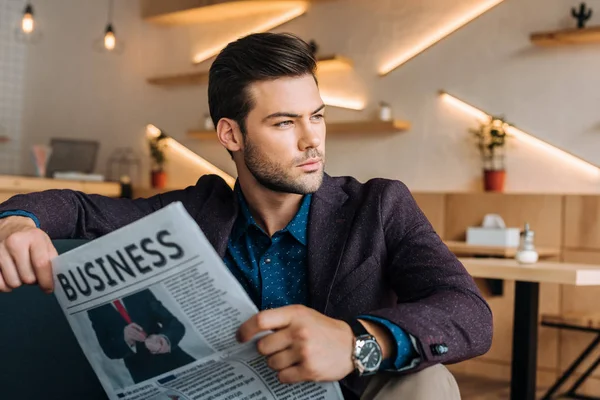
column 283, row 124
column 317, row 117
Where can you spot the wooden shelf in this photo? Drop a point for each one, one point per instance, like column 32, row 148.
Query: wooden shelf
column 185, row 12
column 462, row 249
column 367, row 127
column 192, row 78
column 334, row 63
column 331, row 63
column 567, row 36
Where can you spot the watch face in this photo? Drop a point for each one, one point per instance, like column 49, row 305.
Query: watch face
column 370, row 355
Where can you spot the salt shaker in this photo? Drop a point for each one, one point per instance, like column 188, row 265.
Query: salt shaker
column 526, row 254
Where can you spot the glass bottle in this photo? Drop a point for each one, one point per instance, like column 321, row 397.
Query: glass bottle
column 526, row 253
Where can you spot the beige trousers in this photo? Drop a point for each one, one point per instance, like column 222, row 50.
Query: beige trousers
column 433, row 383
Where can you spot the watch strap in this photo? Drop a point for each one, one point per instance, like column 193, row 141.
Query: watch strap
column 357, row 328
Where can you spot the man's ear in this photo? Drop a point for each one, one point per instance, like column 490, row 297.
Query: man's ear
column 229, row 134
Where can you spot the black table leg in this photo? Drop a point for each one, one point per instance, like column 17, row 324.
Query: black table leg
column 524, row 355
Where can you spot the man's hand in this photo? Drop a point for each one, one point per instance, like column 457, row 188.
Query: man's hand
column 25, row 254
column 134, row 333
column 306, row 345
column 157, row 344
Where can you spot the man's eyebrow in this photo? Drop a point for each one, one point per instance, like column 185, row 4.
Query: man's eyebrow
column 318, row 109
column 282, row 114
column 291, row 115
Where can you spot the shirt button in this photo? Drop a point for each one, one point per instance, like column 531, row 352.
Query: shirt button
column 267, row 260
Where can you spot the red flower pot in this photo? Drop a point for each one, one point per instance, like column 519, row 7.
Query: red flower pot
column 493, row 181
column 159, row 179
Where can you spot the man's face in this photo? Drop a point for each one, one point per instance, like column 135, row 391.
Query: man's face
column 284, row 147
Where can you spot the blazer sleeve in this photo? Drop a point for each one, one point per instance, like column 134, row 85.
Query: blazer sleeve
column 438, row 301
column 68, row 214
column 172, row 328
column 110, row 335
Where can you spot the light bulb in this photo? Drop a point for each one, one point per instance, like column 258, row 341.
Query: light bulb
column 27, row 24
column 110, row 41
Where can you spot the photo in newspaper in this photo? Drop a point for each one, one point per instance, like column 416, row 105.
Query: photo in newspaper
column 140, row 336
column 156, row 310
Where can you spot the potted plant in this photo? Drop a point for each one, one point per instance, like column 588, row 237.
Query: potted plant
column 491, row 140
column 159, row 158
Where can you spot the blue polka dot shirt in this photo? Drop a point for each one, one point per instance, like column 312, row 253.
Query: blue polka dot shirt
column 272, row 270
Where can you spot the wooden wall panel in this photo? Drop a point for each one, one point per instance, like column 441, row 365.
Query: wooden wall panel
column 582, row 222
column 578, row 299
column 543, row 212
column 433, row 206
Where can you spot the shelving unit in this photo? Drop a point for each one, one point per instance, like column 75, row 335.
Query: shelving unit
column 567, row 37
column 369, row 127
column 362, row 127
column 331, row 63
column 185, row 12
column 334, row 63
column 191, row 78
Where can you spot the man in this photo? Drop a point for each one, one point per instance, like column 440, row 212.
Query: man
column 142, row 332
column 352, row 279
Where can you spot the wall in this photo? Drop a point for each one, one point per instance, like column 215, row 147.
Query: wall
column 72, row 91
column 12, row 63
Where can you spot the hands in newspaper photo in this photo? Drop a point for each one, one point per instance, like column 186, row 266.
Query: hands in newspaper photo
column 134, row 333
column 305, row 346
column 157, row 344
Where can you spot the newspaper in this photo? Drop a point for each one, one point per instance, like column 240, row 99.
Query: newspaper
column 156, row 310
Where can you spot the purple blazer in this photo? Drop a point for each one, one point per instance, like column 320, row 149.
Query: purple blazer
column 370, row 250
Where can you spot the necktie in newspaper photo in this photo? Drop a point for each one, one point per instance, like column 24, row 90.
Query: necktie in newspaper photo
column 121, row 309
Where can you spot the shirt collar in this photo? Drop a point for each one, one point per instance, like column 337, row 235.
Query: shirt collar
column 297, row 227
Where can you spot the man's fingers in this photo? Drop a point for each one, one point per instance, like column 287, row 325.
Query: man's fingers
column 274, row 319
column 138, row 336
column 8, row 269
column 293, row 374
column 3, row 286
column 51, row 249
column 41, row 265
column 139, row 330
column 18, row 247
column 274, row 342
column 283, row 359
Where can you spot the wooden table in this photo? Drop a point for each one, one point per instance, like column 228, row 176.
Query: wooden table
column 527, row 284
column 462, row 249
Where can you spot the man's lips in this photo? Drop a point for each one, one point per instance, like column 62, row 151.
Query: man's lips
column 310, row 162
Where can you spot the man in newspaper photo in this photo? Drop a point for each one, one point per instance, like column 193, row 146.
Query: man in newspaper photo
column 353, row 282
column 142, row 332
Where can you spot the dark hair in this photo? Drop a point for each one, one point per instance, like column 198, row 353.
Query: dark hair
column 253, row 58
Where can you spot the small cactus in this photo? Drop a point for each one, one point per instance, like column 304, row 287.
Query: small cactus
column 582, row 15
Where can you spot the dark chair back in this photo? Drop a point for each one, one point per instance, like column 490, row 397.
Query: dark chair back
column 39, row 355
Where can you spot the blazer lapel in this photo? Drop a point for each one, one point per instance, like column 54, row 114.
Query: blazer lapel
column 328, row 228
column 216, row 219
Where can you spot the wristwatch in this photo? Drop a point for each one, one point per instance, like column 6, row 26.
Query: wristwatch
column 367, row 354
